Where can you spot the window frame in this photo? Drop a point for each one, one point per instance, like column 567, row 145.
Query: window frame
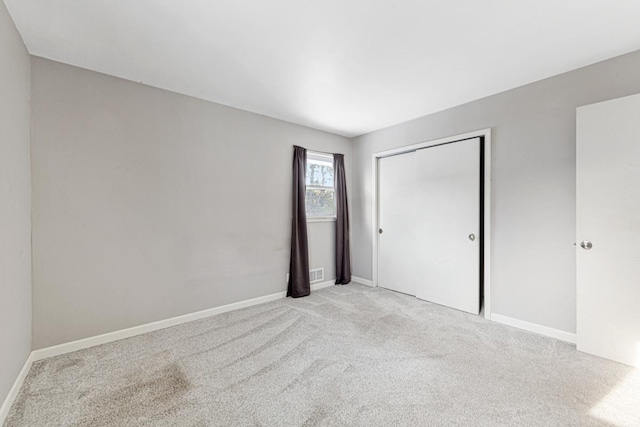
column 332, row 218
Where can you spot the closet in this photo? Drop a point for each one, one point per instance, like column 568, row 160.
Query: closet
column 608, row 229
column 430, row 206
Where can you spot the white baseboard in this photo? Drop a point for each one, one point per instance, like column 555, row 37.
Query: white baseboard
column 81, row 344
column 362, row 281
column 534, row 327
column 149, row 327
column 15, row 389
column 322, row 285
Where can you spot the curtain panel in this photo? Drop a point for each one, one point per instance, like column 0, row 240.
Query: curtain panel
column 299, row 285
column 343, row 245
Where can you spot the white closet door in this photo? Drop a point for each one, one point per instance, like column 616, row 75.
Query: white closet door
column 447, row 228
column 608, row 229
column 396, row 243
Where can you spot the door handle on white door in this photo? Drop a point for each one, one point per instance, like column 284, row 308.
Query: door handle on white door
column 472, row 237
column 586, row 245
column 380, row 230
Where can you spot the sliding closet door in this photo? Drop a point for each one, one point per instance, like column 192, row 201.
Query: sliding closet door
column 608, row 229
column 447, row 227
column 396, row 241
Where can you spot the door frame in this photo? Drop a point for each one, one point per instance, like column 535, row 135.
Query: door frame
column 488, row 219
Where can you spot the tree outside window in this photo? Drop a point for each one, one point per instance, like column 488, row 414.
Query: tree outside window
column 320, row 195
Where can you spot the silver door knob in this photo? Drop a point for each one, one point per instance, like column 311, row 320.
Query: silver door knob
column 586, row 245
column 380, row 230
column 472, row 237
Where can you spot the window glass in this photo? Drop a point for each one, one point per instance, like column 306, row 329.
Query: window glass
column 320, row 196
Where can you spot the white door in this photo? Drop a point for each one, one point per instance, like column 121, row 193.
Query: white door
column 608, row 229
column 396, row 242
column 448, row 222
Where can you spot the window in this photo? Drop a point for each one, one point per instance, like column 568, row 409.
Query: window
column 320, row 199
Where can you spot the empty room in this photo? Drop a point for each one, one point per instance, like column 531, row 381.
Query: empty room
column 319, row 213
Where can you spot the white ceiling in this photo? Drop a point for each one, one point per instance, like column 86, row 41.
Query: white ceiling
column 344, row 66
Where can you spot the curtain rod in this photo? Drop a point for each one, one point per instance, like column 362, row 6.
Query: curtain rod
column 321, row 152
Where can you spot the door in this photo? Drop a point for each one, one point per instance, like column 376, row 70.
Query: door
column 396, row 241
column 448, row 209
column 608, row 229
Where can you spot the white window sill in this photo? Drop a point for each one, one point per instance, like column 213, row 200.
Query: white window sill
column 330, row 219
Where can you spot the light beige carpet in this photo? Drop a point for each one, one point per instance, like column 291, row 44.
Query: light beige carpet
column 346, row 355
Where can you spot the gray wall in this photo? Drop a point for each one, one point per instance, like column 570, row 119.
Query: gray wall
column 533, row 264
column 149, row 204
column 15, row 205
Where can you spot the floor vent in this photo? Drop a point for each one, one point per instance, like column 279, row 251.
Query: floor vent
column 316, row 275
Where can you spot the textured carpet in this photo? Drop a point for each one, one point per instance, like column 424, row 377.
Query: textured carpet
column 346, row 355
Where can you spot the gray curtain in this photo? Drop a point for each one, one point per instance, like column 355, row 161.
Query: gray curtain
column 343, row 247
column 299, row 285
